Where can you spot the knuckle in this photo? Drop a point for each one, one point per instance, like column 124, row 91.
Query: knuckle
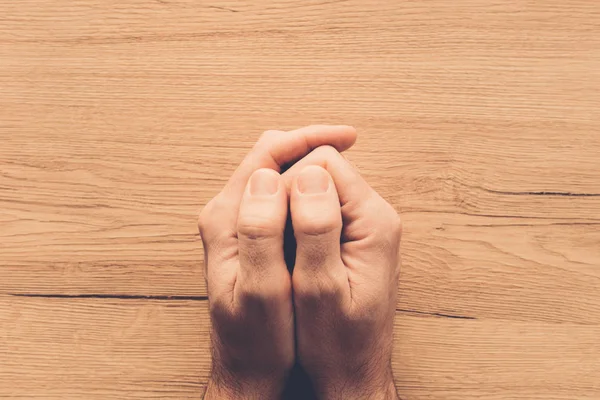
column 220, row 310
column 255, row 227
column 327, row 151
column 395, row 223
column 259, row 296
column 201, row 223
column 397, row 268
column 210, row 213
column 271, row 132
column 309, row 222
column 387, row 223
column 204, row 217
column 365, row 316
column 316, row 290
column 268, row 136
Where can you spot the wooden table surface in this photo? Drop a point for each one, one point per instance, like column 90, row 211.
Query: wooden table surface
column 479, row 120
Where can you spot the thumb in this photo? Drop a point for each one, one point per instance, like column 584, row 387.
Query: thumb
column 261, row 222
column 317, row 220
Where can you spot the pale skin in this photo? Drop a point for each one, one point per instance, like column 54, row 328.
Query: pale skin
column 334, row 313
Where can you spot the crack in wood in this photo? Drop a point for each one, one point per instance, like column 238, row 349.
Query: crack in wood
column 224, row 8
column 532, row 192
column 110, row 296
column 543, row 193
column 521, row 225
column 434, row 314
column 505, row 216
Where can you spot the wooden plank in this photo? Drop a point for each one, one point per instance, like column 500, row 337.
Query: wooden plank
column 475, row 126
column 452, row 359
column 483, row 267
column 123, row 349
column 478, row 120
column 517, row 270
column 103, row 348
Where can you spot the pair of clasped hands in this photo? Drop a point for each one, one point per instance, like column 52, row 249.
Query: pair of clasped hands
column 333, row 314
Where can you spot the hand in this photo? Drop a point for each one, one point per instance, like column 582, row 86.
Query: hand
column 249, row 286
column 345, row 278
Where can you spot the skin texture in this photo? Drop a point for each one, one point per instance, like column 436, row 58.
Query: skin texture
column 249, row 285
column 345, row 278
column 343, row 288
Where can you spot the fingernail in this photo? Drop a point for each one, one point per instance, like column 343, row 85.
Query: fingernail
column 264, row 182
column 313, row 180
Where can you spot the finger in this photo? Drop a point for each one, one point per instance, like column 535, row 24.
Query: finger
column 357, row 198
column 276, row 149
column 260, row 226
column 349, row 182
column 317, row 222
column 365, row 213
column 273, row 150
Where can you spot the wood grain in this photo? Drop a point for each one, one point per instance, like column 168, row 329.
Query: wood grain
column 478, row 120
